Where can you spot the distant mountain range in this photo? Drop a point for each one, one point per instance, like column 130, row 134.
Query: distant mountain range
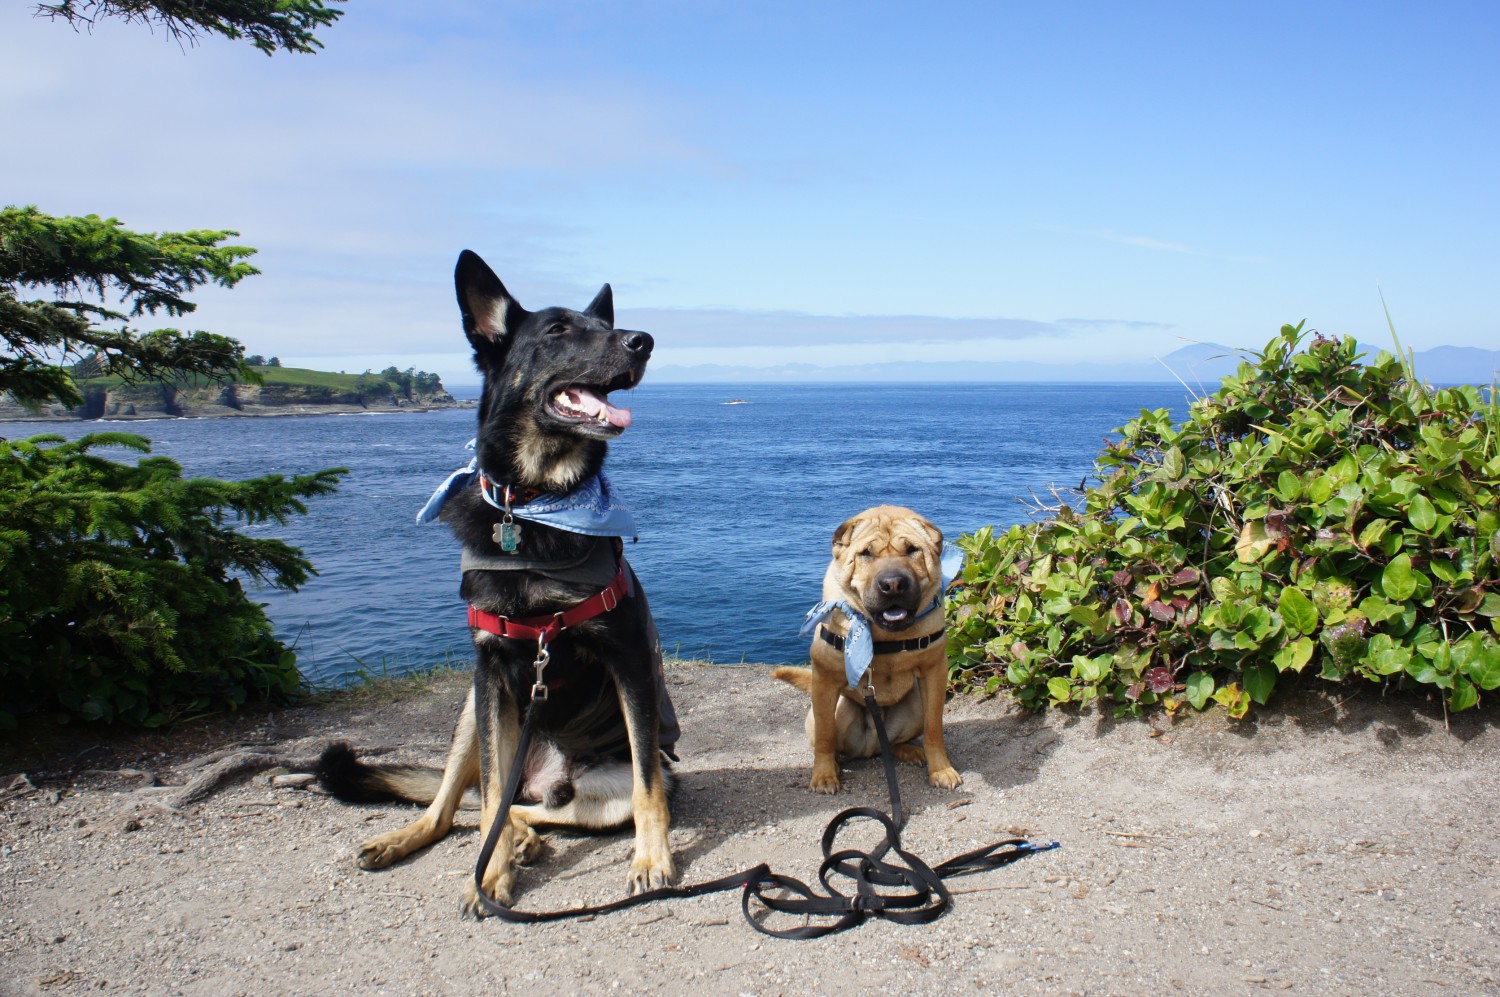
column 1198, row 364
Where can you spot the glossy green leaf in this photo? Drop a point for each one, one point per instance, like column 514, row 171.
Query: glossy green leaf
column 1463, row 696
column 1260, row 680
column 1373, row 532
column 1398, row 581
column 1297, row 610
column 1200, row 687
column 1421, row 514
column 1321, row 490
column 1294, row 655
column 1483, row 669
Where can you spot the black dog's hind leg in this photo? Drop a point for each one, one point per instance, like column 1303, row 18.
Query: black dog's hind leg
column 461, row 772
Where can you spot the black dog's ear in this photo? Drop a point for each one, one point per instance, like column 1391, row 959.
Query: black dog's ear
column 603, row 306
column 489, row 312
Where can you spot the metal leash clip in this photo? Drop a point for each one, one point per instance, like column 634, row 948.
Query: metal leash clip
column 539, row 690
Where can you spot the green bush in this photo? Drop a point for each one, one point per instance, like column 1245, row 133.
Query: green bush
column 120, row 584
column 1315, row 514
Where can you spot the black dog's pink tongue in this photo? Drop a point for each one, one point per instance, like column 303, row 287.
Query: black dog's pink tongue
column 587, row 403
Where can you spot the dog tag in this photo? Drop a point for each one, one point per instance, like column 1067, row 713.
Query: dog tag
column 508, row 535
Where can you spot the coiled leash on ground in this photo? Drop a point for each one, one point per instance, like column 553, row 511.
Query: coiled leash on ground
column 926, row 899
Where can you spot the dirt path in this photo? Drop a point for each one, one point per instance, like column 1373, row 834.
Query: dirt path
column 1342, row 849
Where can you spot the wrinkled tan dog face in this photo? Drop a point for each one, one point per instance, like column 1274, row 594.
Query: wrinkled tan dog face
column 888, row 562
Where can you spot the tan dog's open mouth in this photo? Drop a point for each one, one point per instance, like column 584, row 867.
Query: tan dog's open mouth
column 895, row 617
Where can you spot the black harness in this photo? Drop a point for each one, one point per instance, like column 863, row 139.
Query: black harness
column 914, row 892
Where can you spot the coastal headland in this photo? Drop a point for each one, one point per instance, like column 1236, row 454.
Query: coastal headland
column 284, row 391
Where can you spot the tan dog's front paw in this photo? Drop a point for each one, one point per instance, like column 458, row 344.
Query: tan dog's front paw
column 825, row 779
column 945, row 778
column 650, row 873
column 912, row 754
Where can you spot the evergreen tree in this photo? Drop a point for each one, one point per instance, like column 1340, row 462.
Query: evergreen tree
column 73, row 258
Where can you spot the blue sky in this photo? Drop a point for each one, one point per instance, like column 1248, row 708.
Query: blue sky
column 807, row 182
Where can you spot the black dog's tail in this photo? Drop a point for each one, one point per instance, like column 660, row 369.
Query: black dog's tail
column 342, row 774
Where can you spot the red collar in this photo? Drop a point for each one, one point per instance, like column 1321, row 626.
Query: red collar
column 502, row 495
column 544, row 629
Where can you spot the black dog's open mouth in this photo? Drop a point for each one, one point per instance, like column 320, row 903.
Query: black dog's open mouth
column 587, row 407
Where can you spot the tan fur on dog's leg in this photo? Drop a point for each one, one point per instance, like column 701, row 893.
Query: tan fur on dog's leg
column 461, row 772
column 940, row 771
column 825, row 696
column 652, row 866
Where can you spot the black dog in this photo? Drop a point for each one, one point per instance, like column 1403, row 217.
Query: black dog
column 552, row 603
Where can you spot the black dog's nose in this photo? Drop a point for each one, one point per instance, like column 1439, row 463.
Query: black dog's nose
column 893, row 584
column 637, row 342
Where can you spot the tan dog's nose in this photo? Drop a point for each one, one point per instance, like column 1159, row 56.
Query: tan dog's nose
column 894, row 584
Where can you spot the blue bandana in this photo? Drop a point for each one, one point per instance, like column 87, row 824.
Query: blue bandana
column 593, row 508
column 859, row 644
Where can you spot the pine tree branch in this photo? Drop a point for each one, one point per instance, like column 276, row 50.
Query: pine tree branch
column 268, row 24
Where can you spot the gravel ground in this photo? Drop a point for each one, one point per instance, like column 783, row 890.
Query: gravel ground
column 1337, row 847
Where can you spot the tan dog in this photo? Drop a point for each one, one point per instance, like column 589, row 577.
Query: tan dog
column 887, row 566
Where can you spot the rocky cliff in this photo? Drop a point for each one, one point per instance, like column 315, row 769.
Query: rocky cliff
column 159, row 401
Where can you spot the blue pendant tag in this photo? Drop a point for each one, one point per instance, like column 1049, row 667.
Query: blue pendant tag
column 508, row 535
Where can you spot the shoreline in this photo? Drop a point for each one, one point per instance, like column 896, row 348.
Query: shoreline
column 256, row 412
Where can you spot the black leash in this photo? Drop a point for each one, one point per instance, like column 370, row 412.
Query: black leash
column 926, row 897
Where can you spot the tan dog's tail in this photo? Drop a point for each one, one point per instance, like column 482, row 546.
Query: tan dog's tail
column 799, row 677
column 802, row 679
column 344, row 775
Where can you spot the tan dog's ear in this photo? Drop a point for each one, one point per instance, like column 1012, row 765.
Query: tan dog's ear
column 932, row 531
column 841, row 535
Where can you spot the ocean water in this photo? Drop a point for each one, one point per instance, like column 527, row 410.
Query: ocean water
column 736, row 492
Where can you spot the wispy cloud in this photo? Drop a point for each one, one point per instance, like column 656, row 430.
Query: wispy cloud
column 733, row 328
column 1134, row 325
column 1124, row 239
column 1143, row 242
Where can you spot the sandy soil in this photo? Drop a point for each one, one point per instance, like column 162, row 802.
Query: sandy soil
column 1338, row 847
